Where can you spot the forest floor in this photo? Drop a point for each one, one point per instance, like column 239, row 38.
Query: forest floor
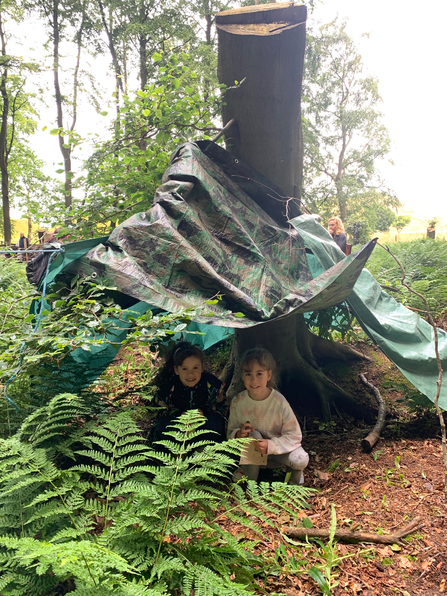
column 379, row 492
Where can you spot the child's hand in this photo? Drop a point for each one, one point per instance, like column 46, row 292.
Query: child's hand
column 245, row 431
column 262, row 446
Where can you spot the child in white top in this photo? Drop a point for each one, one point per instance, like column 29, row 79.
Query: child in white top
column 263, row 413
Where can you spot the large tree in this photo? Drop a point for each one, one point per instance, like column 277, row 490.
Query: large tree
column 259, row 44
column 18, row 117
column 344, row 136
column 66, row 21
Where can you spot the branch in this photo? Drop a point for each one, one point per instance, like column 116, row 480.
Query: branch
column 369, row 441
column 354, row 536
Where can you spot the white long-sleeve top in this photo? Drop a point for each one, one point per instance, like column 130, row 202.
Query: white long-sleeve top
column 272, row 417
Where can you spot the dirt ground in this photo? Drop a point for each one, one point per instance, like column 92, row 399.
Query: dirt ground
column 379, row 492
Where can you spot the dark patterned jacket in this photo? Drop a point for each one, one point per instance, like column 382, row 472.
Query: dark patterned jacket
column 208, row 395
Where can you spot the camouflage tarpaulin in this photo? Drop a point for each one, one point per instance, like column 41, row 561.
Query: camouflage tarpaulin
column 209, row 233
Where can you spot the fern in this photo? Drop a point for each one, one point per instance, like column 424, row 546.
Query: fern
column 86, row 507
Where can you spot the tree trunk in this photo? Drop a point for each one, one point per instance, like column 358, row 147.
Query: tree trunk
column 263, row 46
column 66, row 152
column 3, row 144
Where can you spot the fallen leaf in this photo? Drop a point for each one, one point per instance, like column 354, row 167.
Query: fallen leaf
column 385, row 551
column 428, row 487
column 404, row 563
column 395, row 547
column 425, row 564
column 439, row 565
column 324, row 476
column 366, row 486
column 353, row 465
column 442, row 586
column 284, row 518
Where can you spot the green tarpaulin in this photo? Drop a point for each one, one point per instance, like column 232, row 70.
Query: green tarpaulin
column 219, row 227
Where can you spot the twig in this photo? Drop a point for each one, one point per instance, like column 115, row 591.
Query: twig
column 223, row 130
column 438, row 362
column 354, row 536
column 369, row 441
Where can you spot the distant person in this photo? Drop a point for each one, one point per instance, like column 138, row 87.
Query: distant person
column 23, row 242
column 337, row 231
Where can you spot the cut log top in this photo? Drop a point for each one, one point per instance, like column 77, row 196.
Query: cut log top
column 261, row 29
column 285, row 12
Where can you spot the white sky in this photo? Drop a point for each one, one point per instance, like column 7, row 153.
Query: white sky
column 405, row 50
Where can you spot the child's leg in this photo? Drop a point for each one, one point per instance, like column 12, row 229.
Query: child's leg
column 297, row 460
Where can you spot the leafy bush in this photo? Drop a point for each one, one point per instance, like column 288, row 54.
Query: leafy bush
column 86, row 507
column 425, row 264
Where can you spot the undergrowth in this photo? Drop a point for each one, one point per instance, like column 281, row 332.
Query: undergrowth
column 88, row 508
column 425, row 264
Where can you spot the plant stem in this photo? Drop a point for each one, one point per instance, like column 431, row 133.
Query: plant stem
column 438, row 362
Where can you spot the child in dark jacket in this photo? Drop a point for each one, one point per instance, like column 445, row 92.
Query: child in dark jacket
column 184, row 385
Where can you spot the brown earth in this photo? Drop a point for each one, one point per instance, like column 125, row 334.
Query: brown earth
column 379, row 493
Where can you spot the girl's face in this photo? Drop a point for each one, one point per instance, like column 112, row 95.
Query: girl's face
column 189, row 371
column 255, row 378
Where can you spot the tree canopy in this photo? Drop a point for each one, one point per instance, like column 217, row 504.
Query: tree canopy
column 344, row 136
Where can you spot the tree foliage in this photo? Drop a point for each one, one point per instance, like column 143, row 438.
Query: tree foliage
column 344, row 137
column 124, row 172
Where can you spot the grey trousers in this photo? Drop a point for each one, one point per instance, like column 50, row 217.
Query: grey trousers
column 295, row 461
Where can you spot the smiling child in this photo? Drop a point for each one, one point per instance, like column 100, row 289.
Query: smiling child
column 261, row 412
column 185, row 385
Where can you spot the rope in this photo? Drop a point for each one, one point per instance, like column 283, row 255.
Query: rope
column 19, row 252
column 54, row 252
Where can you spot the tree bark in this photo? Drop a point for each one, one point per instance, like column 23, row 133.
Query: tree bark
column 66, row 152
column 263, row 46
column 355, row 536
column 4, row 142
column 372, row 438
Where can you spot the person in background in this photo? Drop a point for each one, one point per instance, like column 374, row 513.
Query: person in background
column 23, row 244
column 337, row 231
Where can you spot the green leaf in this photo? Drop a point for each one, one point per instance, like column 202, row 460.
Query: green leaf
column 307, row 523
column 54, row 131
column 104, row 113
column 316, row 575
column 156, row 57
column 239, row 315
column 333, row 524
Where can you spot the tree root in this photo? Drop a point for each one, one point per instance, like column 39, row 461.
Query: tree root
column 324, row 349
column 369, row 441
column 355, row 536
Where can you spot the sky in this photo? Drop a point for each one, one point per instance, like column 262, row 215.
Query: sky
column 405, row 51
